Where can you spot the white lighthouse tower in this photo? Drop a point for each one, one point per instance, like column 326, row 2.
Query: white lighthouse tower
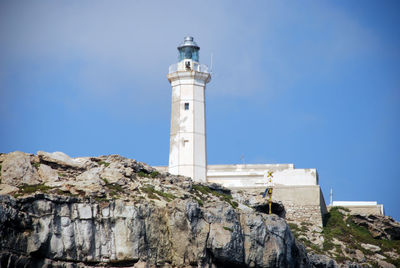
column 187, row 148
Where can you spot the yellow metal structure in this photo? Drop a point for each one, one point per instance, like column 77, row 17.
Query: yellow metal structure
column 269, row 190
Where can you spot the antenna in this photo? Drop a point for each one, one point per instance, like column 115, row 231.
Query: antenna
column 242, row 158
column 211, row 64
column 331, row 196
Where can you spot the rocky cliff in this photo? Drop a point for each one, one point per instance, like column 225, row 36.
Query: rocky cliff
column 111, row 211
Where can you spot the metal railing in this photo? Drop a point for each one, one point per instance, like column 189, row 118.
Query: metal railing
column 196, row 67
column 173, row 68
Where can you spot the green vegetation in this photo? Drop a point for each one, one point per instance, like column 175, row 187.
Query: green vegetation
column 142, row 174
column 36, row 165
column 341, row 227
column 115, row 189
column 205, row 190
column 61, row 192
column 304, row 226
column 294, row 228
column 153, row 193
column 104, row 163
column 60, row 174
column 201, row 203
column 228, row 229
column 105, row 180
column 153, row 174
column 28, row 189
column 101, row 199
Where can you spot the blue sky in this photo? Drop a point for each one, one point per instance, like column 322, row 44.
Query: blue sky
column 314, row 83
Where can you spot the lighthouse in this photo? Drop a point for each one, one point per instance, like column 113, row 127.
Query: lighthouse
column 187, row 148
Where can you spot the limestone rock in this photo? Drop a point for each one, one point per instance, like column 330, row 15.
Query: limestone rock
column 67, row 230
column 115, row 174
column 47, row 174
column 360, row 255
column 380, row 227
column 321, row 261
column 17, row 170
column 7, row 189
column 60, row 158
column 89, row 181
column 110, row 210
column 370, row 247
column 385, row 264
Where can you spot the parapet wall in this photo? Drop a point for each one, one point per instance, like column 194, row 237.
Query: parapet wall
column 302, row 203
column 239, row 176
column 297, row 189
column 359, row 207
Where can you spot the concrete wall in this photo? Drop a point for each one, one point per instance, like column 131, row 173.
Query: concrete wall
column 253, row 175
column 297, row 189
column 302, row 203
column 360, row 207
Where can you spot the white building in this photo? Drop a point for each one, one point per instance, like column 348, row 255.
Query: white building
column 297, row 189
column 188, row 78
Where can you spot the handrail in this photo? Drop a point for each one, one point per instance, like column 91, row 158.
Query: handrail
column 196, row 67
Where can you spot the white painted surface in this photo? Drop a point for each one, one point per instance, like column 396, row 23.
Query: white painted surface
column 187, row 155
column 354, row 203
column 361, row 207
column 253, row 175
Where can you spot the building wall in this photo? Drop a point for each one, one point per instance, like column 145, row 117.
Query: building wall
column 302, row 203
column 253, row 175
column 187, row 154
column 297, row 189
column 357, row 207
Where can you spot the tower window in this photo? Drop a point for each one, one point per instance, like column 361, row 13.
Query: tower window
column 186, row 105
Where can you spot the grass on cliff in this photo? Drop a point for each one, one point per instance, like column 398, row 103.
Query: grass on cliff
column 207, row 190
column 341, row 227
column 115, row 189
column 103, row 163
column 28, row 189
column 345, row 230
column 153, row 174
column 36, row 165
column 156, row 194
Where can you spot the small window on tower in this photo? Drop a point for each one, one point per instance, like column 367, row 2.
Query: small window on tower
column 186, row 105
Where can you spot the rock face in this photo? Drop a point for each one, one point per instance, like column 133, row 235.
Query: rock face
column 17, row 169
column 381, row 227
column 69, row 230
column 112, row 211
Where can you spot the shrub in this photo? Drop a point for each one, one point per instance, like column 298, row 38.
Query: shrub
column 205, row 190
column 28, row 189
column 152, row 193
column 228, row 229
column 36, row 165
column 104, row 163
column 154, row 174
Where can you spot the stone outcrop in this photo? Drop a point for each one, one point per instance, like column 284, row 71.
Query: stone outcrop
column 17, row 170
column 112, row 211
column 322, row 261
column 381, row 227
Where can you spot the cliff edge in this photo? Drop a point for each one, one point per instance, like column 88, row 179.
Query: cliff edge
column 110, row 211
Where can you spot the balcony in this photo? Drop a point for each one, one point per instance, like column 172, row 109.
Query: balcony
column 196, row 67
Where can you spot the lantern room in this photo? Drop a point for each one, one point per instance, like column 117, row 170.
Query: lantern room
column 189, row 50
